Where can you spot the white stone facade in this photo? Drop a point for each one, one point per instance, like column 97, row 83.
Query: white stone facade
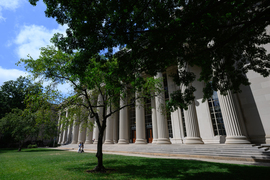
column 232, row 119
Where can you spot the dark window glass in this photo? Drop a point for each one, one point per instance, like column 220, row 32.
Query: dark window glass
column 216, row 116
column 166, row 99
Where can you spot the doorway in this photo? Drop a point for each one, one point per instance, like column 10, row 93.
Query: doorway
column 149, row 135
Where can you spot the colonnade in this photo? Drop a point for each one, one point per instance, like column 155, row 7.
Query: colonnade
column 117, row 130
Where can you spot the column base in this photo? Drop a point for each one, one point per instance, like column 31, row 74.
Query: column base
column 88, row 142
column 193, row 140
column 123, row 141
column 236, row 140
column 215, row 140
column 267, row 140
column 154, row 141
column 163, row 141
column 64, row 142
column 74, row 142
column 108, row 142
column 140, row 141
column 176, row 141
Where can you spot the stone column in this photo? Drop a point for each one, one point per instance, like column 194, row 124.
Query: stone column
column 95, row 132
column 60, row 129
column 162, row 124
column 100, row 115
column 60, row 135
column 192, row 127
column 176, row 117
column 140, row 121
column 115, row 128
column 70, row 133
column 109, row 128
column 82, row 133
column 75, row 132
column 123, row 123
column 154, row 120
column 64, row 139
column 232, row 121
column 89, row 131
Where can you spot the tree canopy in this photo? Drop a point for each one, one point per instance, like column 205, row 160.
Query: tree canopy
column 224, row 38
column 26, row 111
column 13, row 94
column 21, row 125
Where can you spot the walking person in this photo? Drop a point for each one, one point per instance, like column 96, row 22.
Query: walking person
column 80, row 145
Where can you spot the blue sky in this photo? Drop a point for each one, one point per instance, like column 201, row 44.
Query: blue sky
column 23, row 30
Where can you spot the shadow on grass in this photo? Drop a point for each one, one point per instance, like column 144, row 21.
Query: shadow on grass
column 8, row 150
column 147, row 168
column 40, row 150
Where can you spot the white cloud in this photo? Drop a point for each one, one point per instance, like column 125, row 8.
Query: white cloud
column 9, row 5
column 29, row 41
column 31, row 38
column 10, row 74
column 63, row 88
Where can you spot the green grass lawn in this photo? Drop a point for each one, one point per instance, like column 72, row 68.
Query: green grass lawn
column 56, row 164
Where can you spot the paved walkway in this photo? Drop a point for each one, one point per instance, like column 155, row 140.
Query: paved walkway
column 233, row 154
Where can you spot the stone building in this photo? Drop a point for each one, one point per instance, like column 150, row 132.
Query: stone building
column 233, row 119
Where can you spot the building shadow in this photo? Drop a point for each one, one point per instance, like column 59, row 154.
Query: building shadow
column 151, row 168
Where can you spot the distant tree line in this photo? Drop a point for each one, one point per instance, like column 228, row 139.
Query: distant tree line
column 26, row 113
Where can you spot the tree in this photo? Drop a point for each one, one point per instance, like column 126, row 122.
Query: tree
column 98, row 88
column 224, row 38
column 43, row 106
column 13, row 94
column 26, row 111
column 21, row 125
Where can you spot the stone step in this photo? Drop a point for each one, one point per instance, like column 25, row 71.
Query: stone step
column 234, row 151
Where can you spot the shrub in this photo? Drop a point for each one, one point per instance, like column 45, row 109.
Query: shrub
column 32, row 146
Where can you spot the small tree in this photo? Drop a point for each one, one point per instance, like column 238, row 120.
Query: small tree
column 98, row 77
column 43, row 106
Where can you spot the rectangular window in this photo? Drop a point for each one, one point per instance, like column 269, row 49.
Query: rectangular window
column 216, row 116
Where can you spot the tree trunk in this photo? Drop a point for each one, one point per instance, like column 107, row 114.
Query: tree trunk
column 99, row 154
column 20, row 147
